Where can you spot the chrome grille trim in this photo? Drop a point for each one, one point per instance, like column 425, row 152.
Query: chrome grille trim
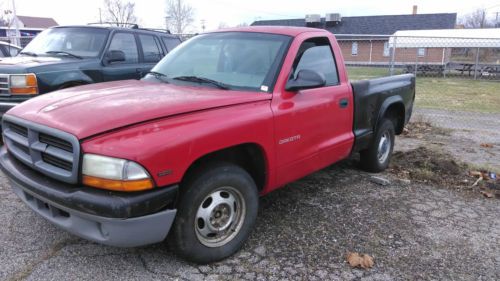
column 4, row 85
column 61, row 164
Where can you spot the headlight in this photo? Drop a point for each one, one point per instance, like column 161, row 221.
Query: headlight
column 23, row 84
column 114, row 174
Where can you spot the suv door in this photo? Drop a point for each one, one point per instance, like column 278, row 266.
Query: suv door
column 125, row 42
column 151, row 51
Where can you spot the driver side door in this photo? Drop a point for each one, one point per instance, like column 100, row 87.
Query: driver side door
column 310, row 123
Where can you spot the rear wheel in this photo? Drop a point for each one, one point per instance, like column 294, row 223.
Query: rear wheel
column 377, row 157
column 216, row 213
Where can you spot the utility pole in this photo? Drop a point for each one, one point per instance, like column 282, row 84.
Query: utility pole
column 203, row 25
column 100, row 16
column 18, row 34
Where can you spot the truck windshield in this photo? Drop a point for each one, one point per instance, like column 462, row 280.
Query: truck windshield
column 230, row 60
column 68, row 41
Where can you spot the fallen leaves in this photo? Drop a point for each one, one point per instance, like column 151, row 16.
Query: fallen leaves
column 487, row 145
column 360, row 260
column 490, row 182
column 487, row 194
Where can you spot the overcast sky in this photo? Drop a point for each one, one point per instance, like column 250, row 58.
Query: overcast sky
column 151, row 13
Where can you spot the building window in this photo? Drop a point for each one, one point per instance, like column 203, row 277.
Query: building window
column 354, row 49
column 421, row 52
column 386, row 49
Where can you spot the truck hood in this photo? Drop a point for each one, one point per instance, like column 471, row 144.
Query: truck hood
column 20, row 64
column 92, row 109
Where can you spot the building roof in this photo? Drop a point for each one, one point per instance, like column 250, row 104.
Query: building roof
column 383, row 25
column 451, row 38
column 37, row 22
column 283, row 30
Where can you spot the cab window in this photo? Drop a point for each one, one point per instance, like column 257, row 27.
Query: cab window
column 316, row 54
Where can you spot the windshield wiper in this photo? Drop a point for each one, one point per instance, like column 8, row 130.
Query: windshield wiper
column 65, row 53
column 31, row 54
column 218, row 84
column 158, row 75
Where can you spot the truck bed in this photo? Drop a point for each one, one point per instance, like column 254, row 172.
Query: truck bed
column 372, row 97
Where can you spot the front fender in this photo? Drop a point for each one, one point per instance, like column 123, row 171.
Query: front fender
column 51, row 81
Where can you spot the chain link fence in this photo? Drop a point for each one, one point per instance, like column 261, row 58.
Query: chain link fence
column 458, row 79
column 18, row 41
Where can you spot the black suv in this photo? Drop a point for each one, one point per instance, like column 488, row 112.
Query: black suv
column 66, row 56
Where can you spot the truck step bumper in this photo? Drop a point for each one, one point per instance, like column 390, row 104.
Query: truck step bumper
column 118, row 232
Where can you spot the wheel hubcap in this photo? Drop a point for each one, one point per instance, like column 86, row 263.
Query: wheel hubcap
column 220, row 217
column 384, row 147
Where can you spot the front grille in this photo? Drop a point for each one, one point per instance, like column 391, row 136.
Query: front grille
column 47, row 150
column 56, row 142
column 60, row 163
column 20, row 130
column 4, row 84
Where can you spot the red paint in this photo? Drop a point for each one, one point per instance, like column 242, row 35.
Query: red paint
column 168, row 127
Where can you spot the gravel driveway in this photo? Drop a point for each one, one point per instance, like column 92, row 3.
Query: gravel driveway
column 303, row 232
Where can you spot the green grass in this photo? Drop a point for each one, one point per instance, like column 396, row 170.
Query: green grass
column 445, row 93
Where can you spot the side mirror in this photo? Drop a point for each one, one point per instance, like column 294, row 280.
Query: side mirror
column 114, row 56
column 306, row 79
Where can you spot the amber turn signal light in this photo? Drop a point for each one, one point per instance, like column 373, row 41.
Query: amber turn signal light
column 118, row 185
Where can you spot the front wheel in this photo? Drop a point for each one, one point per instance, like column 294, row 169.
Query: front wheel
column 216, row 213
column 377, row 157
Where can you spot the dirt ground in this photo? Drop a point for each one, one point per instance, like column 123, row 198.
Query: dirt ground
column 473, row 138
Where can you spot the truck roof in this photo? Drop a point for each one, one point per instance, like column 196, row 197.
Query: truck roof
column 283, row 30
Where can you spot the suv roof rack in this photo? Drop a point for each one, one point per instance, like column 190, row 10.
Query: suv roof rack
column 156, row 29
column 130, row 25
column 116, row 24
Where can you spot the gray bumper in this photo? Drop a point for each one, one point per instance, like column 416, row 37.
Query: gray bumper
column 129, row 232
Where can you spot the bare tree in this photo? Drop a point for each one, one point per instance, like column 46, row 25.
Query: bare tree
column 180, row 14
column 223, row 25
column 119, row 12
column 477, row 19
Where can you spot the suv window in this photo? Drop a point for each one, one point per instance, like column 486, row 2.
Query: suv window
column 316, row 54
column 150, row 48
column 125, row 42
column 171, row 43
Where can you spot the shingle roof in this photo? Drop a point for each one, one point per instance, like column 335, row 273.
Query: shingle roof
column 384, row 25
column 37, row 22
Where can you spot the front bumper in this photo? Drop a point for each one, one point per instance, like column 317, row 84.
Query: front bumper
column 110, row 218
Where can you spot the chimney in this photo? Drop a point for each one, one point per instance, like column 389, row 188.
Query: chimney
column 414, row 9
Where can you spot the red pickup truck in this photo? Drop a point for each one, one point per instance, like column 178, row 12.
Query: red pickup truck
column 186, row 152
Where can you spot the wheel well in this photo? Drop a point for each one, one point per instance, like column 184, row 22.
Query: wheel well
column 71, row 84
column 396, row 113
column 248, row 156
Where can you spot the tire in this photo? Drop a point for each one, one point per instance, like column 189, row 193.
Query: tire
column 205, row 205
column 377, row 157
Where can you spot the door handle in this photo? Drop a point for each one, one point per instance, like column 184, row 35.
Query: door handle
column 343, row 103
